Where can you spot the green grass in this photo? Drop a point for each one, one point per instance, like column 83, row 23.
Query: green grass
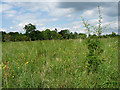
column 57, row 63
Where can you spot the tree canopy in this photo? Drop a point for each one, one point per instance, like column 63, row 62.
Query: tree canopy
column 31, row 34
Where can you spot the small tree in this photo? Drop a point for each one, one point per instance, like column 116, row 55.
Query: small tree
column 94, row 45
column 113, row 34
column 47, row 34
column 29, row 28
column 65, row 33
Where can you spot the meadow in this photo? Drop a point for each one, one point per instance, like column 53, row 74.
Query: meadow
column 57, row 64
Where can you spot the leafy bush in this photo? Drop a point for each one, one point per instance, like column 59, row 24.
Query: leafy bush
column 94, row 45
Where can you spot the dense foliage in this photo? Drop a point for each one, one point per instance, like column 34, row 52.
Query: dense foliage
column 94, row 44
column 95, row 50
column 32, row 34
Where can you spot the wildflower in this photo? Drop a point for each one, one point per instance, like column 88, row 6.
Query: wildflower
column 5, row 74
column 13, row 76
column 85, row 66
column 4, row 67
column 26, row 63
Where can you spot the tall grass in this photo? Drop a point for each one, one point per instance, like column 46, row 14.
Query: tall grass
column 57, row 63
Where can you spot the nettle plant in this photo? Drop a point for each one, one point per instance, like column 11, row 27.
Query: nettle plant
column 94, row 45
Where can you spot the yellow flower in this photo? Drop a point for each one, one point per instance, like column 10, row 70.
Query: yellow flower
column 26, row 63
column 0, row 67
column 4, row 67
column 13, row 76
column 85, row 66
column 5, row 74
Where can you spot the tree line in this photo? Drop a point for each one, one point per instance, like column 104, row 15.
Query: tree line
column 33, row 34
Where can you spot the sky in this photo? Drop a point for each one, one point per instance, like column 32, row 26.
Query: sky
column 60, row 15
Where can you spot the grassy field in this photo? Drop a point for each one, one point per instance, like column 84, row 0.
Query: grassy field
column 57, row 63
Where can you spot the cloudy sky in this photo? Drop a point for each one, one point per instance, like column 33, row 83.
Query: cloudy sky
column 60, row 15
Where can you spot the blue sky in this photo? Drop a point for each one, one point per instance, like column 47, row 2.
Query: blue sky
column 60, row 15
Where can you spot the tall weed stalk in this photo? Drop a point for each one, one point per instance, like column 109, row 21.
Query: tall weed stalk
column 94, row 45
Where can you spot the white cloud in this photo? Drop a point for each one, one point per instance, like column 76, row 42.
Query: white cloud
column 77, row 26
column 11, row 27
column 42, row 28
column 10, row 13
column 23, row 24
column 3, row 29
column 31, row 13
column 50, row 7
column 90, row 13
column 59, row 12
column 5, row 7
column 35, row 21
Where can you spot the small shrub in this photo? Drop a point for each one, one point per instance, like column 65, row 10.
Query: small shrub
column 94, row 45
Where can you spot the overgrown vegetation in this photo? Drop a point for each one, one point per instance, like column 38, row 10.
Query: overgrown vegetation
column 94, row 44
column 64, row 63
column 57, row 63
